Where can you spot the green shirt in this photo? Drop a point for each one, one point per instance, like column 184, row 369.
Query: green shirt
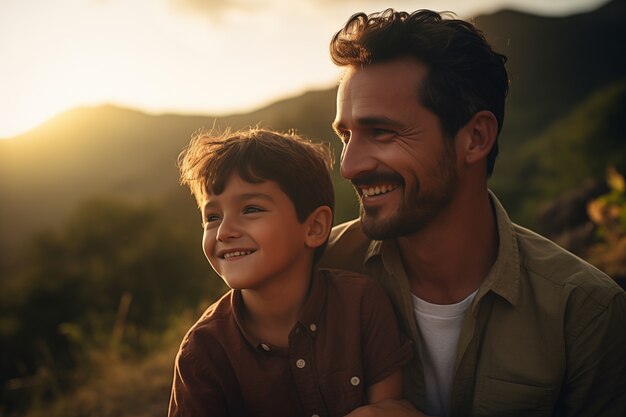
column 544, row 336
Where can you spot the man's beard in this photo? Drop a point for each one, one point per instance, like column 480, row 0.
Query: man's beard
column 417, row 208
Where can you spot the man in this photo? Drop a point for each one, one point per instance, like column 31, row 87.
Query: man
column 503, row 321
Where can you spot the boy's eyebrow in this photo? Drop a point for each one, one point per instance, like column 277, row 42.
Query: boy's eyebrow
column 240, row 198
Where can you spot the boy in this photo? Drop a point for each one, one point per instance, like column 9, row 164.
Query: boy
column 288, row 339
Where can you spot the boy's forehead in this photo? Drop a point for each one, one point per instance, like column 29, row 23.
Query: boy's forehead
column 239, row 189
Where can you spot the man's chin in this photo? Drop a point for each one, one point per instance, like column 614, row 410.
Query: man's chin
column 378, row 228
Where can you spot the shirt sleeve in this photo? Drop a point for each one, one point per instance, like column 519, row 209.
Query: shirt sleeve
column 596, row 374
column 385, row 349
column 196, row 391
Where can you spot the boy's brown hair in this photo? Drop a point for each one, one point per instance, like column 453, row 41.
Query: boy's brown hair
column 301, row 168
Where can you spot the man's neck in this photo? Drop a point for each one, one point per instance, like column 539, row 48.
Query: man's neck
column 449, row 259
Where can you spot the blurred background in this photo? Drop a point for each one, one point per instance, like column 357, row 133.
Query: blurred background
column 101, row 269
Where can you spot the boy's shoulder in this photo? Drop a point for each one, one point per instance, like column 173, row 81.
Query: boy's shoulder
column 216, row 323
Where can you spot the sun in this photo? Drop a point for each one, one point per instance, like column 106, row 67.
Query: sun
column 22, row 122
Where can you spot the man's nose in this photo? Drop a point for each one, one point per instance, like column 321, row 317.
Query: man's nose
column 357, row 157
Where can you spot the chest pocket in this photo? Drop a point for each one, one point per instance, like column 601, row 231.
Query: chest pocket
column 343, row 391
column 495, row 397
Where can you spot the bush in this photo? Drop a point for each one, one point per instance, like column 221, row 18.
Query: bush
column 112, row 280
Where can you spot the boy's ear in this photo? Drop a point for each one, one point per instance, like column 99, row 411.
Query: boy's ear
column 318, row 226
column 481, row 132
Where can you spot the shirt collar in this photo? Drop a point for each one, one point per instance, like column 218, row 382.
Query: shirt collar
column 504, row 276
column 308, row 322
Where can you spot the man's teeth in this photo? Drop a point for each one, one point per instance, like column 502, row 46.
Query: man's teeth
column 237, row 253
column 379, row 189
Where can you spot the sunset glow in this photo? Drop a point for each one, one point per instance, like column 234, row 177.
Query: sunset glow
column 180, row 56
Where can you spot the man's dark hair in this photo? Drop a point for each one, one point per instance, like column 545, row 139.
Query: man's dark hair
column 464, row 74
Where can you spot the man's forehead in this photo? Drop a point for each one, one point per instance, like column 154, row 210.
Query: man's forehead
column 376, row 91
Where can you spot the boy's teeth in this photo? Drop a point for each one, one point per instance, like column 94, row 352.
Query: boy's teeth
column 237, row 253
column 379, row 189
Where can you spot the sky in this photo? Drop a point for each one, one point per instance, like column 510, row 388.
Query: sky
column 206, row 57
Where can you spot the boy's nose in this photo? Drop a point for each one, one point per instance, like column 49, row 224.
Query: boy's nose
column 228, row 229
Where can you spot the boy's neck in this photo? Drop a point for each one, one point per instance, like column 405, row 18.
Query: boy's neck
column 271, row 314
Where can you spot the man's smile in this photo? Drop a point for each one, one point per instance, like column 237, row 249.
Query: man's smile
column 378, row 189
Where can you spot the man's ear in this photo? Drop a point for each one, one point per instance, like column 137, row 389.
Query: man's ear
column 318, row 226
column 482, row 130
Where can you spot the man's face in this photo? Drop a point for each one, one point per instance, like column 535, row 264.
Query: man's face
column 394, row 151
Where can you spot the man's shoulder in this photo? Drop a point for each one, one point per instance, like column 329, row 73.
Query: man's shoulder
column 349, row 282
column 347, row 247
column 546, row 262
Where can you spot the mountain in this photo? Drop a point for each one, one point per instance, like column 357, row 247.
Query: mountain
column 555, row 64
column 106, row 150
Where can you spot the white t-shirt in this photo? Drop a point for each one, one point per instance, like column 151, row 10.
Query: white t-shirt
column 440, row 326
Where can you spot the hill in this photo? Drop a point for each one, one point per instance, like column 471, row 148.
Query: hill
column 106, row 150
column 555, row 64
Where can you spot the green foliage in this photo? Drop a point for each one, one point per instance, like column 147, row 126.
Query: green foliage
column 608, row 211
column 114, row 277
column 575, row 148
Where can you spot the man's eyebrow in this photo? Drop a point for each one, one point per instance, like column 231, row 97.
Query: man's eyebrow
column 369, row 121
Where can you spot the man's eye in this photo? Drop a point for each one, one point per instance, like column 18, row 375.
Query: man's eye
column 383, row 132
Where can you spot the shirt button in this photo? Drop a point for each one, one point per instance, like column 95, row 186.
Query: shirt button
column 300, row 363
column 355, row 380
column 313, row 327
column 265, row 347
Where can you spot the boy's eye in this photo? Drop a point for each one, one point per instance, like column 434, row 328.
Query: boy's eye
column 209, row 218
column 252, row 209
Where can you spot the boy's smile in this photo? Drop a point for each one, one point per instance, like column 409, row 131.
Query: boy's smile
column 235, row 254
column 252, row 236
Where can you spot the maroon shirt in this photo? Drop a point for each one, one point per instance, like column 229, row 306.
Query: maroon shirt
column 346, row 339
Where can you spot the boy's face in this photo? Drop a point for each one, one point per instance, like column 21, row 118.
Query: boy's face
column 252, row 236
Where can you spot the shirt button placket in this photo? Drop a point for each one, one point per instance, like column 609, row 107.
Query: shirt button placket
column 302, row 354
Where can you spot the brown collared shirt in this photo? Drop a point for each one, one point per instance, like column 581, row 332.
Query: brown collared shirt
column 544, row 336
column 346, row 339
